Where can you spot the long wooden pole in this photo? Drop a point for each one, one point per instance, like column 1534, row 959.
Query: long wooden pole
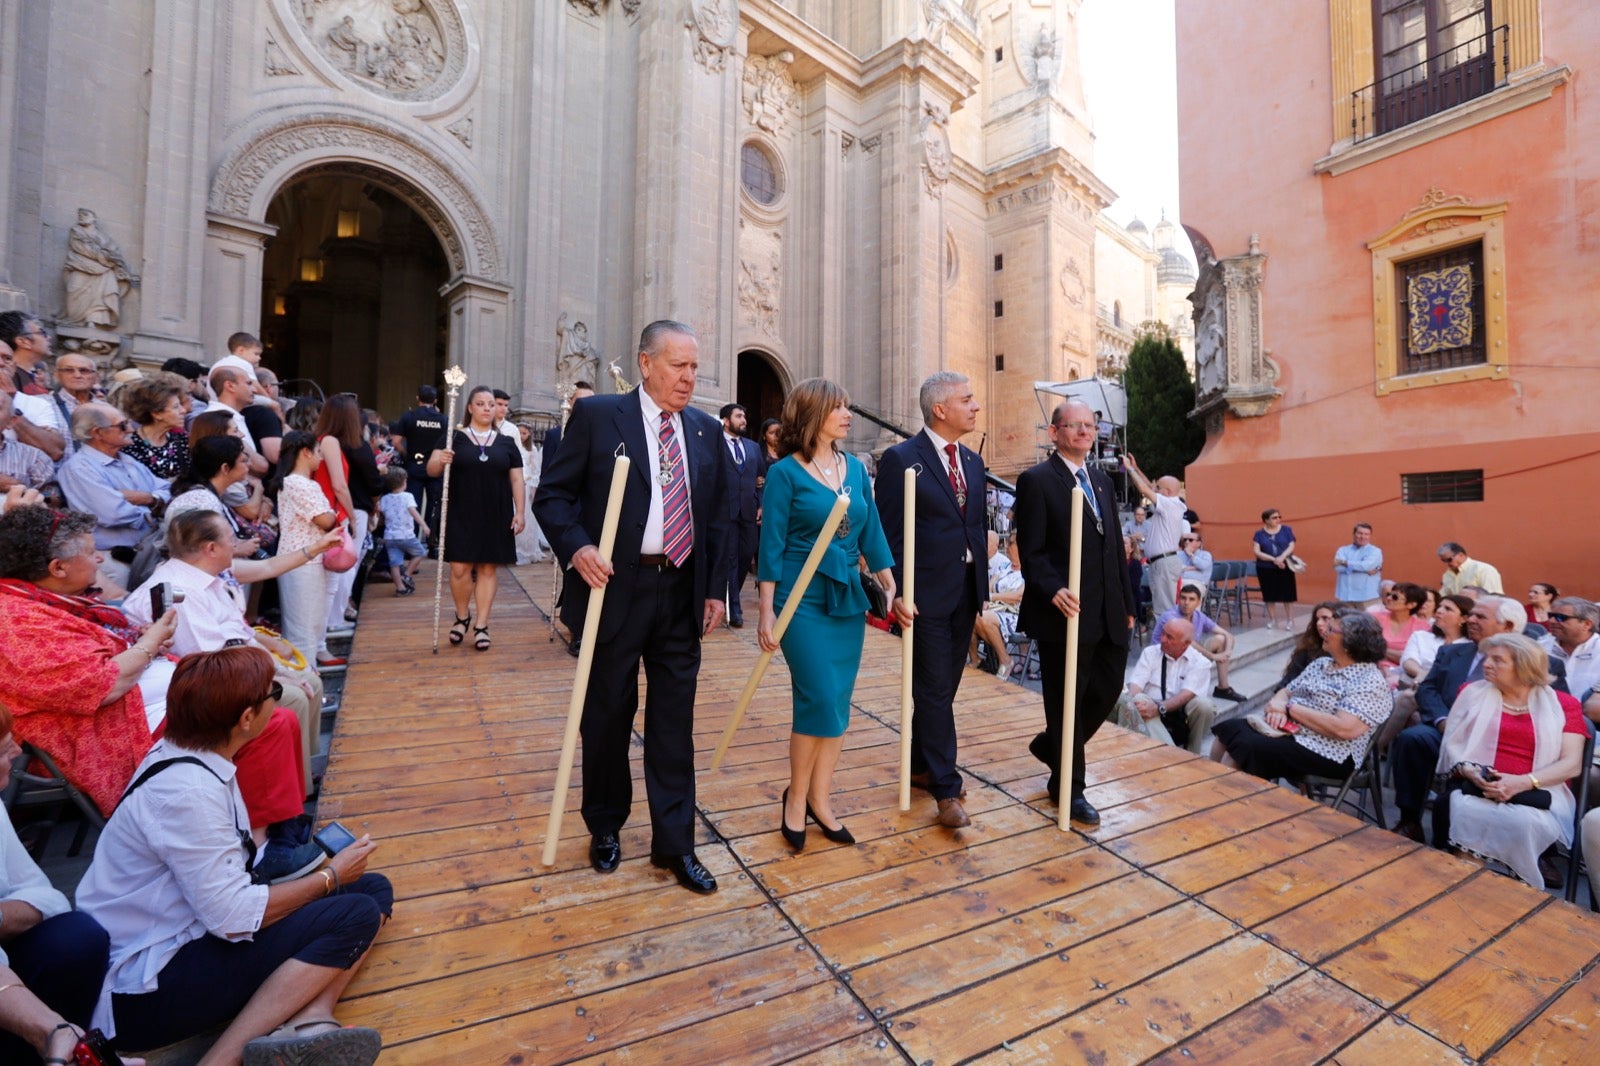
column 454, row 378
column 908, row 572
column 1069, row 695
column 580, row 684
column 824, row 538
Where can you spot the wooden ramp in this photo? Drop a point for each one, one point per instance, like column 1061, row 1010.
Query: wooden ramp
column 1210, row 918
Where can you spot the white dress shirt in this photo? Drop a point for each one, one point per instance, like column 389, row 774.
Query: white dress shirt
column 654, row 541
column 23, row 881
column 238, row 420
column 1190, row 672
column 168, row 869
column 209, row 615
column 1583, row 665
column 1166, row 525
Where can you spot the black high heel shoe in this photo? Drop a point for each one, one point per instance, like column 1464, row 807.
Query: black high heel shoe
column 795, row 837
column 840, row 835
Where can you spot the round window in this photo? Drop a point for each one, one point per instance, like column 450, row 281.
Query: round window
column 758, row 174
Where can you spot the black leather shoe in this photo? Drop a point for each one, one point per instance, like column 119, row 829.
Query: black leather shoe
column 605, row 852
column 1052, row 788
column 796, row 838
column 689, row 872
column 1083, row 811
column 736, row 622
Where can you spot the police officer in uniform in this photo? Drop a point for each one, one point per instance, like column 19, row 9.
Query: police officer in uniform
column 416, row 435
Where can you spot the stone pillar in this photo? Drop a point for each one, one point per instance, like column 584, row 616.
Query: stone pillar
column 686, row 215
column 176, row 165
column 12, row 297
column 479, row 329
column 232, row 295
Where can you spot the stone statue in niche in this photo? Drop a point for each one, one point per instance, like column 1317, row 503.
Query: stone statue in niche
column 1210, row 345
column 711, row 26
column 576, row 360
column 96, row 275
column 937, row 15
column 769, row 93
column 394, row 45
column 1043, row 60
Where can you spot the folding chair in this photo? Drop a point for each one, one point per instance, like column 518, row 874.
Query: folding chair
column 1216, row 599
column 1245, row 585
column 1366, row 777
column 50, row 789
column 1581, row 794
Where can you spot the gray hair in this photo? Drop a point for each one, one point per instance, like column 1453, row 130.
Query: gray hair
column 1578, row 607
column 89, row 417
column 1506, row 611
column 1452, row 548
column 938, row 389
column 650, row 336
column 1363, row 636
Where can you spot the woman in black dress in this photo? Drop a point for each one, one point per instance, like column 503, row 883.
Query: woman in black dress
column 486, row 491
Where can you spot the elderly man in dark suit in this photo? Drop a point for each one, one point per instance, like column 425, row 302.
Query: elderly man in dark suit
column 952, row 573
column 665, row 585
column 1414, row 754
column 744, row 462
column 1104, row 602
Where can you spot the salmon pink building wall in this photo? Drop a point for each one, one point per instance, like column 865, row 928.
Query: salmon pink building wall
column 1256, row 91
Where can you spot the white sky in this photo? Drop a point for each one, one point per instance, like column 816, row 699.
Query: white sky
column 1130, row 81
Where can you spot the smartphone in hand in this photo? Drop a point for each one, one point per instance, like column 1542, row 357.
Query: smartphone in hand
column 333, row 838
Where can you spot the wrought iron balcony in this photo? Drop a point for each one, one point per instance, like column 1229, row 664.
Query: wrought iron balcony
column 1471, row 69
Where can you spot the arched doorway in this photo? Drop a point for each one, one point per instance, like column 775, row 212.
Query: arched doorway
column 760, row 388
column 350, row 291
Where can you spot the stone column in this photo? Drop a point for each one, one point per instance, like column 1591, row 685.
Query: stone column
column 232, row 297
column 479, row 328
column 14, row 47
column 177, row 161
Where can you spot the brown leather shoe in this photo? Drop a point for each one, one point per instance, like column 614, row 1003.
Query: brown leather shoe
column 924, row 781
column 952, row 815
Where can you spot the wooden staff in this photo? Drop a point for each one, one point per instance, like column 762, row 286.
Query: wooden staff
column 813, row 560
column 580, row 685
column 454, row 378
column 1069, row 695
column 908, row 571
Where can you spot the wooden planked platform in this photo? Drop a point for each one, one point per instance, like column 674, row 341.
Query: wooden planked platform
column 1210, row 918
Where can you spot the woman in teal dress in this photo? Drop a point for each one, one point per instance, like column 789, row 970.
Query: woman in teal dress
column 823, row 642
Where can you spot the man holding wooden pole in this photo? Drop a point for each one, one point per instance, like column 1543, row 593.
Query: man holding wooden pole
column 1104, row 604
column 952, row 571
column 664, row 590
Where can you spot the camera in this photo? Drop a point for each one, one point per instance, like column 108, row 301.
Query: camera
column 259, row 553
column 163, row 595
column 95, row 1050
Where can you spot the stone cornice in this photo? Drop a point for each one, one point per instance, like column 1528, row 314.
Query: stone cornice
column 920, row 59
column 1056, row 163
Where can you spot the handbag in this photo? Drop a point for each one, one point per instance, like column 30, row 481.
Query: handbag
column 342, row 556
column 877, row 595
column 1296, row 564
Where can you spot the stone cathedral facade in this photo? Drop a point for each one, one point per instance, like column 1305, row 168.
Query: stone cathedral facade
column 869, row 190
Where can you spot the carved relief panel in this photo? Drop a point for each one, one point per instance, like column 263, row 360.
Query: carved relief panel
column 404, row 50
column 1233, row 370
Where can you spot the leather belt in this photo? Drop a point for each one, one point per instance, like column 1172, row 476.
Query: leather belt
column 660, row 562
column 1158, row 558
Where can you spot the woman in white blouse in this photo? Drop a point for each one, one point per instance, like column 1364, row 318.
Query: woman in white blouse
column 52, row 958
column 195, row 942
column 303, row 517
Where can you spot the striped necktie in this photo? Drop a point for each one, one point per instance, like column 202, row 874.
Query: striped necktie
column 677, row 530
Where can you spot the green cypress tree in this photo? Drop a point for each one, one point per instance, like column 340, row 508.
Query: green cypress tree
column 1160, row 397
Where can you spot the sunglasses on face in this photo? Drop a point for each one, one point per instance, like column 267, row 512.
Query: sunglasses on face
column 1556, row 616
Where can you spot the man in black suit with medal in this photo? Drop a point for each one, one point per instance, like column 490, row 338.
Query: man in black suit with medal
column 744, row 460
column 664, row 589
column 1104, row 603
column 952, row 573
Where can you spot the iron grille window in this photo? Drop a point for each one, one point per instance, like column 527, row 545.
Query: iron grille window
column 1441, row 310
column 999, row 261
column 999, row 363
column 1431, row 56
column 1442, row 486
column 999, row 309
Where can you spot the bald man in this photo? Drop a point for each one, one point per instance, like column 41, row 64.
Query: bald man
column 1166, row 525
column 1165, row 697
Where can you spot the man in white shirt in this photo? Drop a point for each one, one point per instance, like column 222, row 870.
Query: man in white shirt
column 235, row 389
column 211, row 614
column 1166, row 525
column 20, row 464
column 38, row 422
column 1163, row 699
column 1572, row 640
column 502, row 416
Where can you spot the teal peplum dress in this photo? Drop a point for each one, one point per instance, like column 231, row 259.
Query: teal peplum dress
column 823, row 642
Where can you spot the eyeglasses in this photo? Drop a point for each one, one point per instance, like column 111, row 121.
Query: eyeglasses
column 274, row 694
column 76, row 370
column 1556, row 616
column 1393, row 596
column 41, row 334
column 125, row 426
column 1074, row 426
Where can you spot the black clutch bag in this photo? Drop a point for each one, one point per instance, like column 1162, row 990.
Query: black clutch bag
column 877, row 596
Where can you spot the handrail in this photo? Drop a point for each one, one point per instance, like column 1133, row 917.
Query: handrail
column 1448, row 73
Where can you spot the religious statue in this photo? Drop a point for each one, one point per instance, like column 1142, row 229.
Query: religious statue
column 96, row 275
column 938, row 19
column 576, row 360
column 1046, row 59
column 1211, row 344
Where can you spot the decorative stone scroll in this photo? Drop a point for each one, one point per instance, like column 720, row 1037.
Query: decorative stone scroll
column 936, row 157
column 769, row 93
column 712, row 25
column 1234, row 372
column 1072, row 286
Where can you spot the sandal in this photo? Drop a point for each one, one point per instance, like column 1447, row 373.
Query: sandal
column 481, row 641
column 458, row 629
column 339, row 1046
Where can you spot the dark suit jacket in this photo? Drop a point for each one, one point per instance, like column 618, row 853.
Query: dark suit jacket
column 552, row 437
column 945, row 531
column 1436, row 693
column 741, row 479
column 1043, row 519
column 570, row 502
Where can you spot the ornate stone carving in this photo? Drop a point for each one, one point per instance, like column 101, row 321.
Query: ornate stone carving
column 936, row 157
column 277, row 63
column 576, row 359
column 402, row 49
column 1233, row 371
column 871, row 144
column 1041, row 193
column 96, row 274
column 630, row 7
column 242, row 189
column 712, row 25
column 936, row 14
column 760, row 276
column 1039, row 57
column 1072, row 286
column 587, row 7
column 461, row 130
column 770, row 97
column 1435, row 197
